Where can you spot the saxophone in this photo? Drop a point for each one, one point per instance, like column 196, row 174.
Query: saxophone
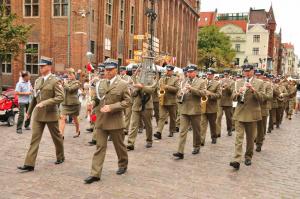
column 183, row 91
column 244, row 93
column 162, row 92
column 204, row 100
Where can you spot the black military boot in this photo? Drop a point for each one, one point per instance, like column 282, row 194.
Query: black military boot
column 157, row 135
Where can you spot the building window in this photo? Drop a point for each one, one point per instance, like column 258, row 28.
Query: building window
column 132, row 20
column 92, row 50
column 255, row 51
column 130, row 54
column 237, row 47
column 93, row 15
column 31, row 8
column 60, row 8
column 109, row 11
column 122, row 7
column 256, row 38
column 32, row 58
column 6, row 64
column 7, row 4
column 107, row 43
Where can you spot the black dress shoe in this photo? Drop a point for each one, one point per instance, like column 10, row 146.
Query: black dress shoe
column 247, row 162
column 121, row 171
column 92, row 143
column 91, row 179
column 177, row 129
column 59, row 161
column 130, row 148
column 202, row 144
column 214, row 141
column 195, row 151
column 233, row 129
column 219, row 136
column 26, row 168
column 269, row 131
column 109, row 138
column 90, row 130
column 235, row 165
column 229, row 133
column 171, row 134
column 178, row 155
column 258, row 148
column 19, row 131
column 157, row 135
column 148, row 145
column 125, row 132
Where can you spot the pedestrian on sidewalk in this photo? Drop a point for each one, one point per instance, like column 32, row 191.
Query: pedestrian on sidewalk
column 24, row 92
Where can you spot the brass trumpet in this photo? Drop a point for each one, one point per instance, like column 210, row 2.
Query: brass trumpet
column 204, row 100
column 183, row 92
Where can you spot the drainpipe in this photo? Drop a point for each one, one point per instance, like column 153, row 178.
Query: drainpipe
column 69, row 34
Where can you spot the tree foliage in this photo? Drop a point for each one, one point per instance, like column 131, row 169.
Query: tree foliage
column 214, row 48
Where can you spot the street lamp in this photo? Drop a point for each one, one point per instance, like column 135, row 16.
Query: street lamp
column 152, row 15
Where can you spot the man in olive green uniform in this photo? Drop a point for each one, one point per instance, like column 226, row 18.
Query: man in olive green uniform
column 292, row 92
column 265, row 107
column 156, row 104
column 210, row 114
column 48, row 94
column 227, row 86
column 112, row 98
column 193, row 90
column 248, row 92
column 168, row 86
column 142, row 109
column 126, row 78
column 280, row 97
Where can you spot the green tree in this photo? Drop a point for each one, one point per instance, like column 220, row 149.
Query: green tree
column 214, row 48
column 12, row 36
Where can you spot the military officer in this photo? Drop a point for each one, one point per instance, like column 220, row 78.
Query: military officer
column 248, row 92
column 142, row 109
column 71, row 105
column 127, row 78
column 193, row 90
column 48, row 94
column 280, row 97
column 168, row 88
column 266, row 100
column 156, row 103
column 227, row 86
column 292, row 92
column 112, row 98
column 210, row 114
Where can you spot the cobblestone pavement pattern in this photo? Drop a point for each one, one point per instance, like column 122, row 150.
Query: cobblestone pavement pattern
column 153, row 173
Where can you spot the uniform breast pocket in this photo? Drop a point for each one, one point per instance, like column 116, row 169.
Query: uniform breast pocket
column 47, row 93
column 115, row 96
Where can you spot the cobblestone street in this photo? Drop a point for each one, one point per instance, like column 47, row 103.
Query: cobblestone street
column 153, row 173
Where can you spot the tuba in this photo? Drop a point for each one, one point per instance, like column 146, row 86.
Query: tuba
column 162, row 92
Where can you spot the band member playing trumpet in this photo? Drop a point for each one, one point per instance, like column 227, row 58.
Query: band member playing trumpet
column 210, row 114
column 191, row 111
column 248, row 93
column 168, row 88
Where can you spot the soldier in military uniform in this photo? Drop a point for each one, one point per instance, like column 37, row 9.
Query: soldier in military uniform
column 142, row 109
column 227, row 86
column 168, row 88
column 210, row 114
column 112, row 98
column 193, row 90
column 291, row 98
column 248, row 92
column 266, row 100
column 126, row 78
column 71, row 105
column 101, row 76
column 48, row 94
column 280, row 97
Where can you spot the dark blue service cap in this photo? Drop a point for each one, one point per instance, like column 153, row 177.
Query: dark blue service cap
column 259, row 72
column 169, row 67
column 247, row 67
column 210, row 71
column 110, row 64
column 45, row 61
column 191, row 68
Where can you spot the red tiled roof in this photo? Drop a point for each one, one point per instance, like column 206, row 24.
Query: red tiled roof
column 241, row 23
column 288, row 45
column 207, row 19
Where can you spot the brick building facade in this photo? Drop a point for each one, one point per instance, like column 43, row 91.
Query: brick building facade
column 104, row 27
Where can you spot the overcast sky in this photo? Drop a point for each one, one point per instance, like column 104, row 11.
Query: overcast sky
column 286, row 14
